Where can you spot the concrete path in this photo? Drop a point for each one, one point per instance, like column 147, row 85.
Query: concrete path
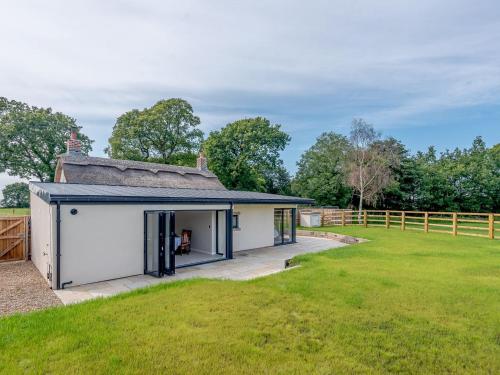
column 246, row 265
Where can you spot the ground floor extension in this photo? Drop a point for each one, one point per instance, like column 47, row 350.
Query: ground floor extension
column 80, row 237
column 245, row 265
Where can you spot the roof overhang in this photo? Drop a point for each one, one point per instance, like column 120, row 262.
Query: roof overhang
column 43, row 191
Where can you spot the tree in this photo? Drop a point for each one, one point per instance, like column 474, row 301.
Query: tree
column 321, row 173
column 245, row 154
column 165, row 133
column 370, row 162
column 278, row 180
column 399, row 194
column 465, row 180
column 31, row 138
column 16, row 195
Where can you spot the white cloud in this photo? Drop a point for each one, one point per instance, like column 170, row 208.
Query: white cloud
column 294, row 61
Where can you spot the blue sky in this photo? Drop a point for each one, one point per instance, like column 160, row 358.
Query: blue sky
column 426, row 72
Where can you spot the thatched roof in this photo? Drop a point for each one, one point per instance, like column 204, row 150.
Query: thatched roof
column 103, row 171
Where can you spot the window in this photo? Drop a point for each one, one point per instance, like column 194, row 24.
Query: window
column 236, row 221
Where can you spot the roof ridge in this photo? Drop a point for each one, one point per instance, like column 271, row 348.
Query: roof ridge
column 121, row 164
column 138, row 186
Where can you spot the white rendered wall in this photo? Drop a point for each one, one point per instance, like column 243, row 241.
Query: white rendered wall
column 256, row 226
column 104, row 242
column 41, row 235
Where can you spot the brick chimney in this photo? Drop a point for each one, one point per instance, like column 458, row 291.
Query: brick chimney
column 73, row 145
column 201, row 162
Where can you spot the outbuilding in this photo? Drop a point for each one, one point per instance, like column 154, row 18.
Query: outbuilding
column 104, row 219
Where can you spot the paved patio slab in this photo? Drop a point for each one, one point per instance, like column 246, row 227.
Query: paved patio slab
column 246, row 265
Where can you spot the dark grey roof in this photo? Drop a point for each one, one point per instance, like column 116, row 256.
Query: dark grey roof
column 77, row 169
column 52, row 192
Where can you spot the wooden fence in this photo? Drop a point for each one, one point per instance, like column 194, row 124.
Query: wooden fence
column 485, row 225
column 14, row 238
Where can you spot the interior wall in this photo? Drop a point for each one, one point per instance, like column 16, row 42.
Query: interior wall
column 202, row 225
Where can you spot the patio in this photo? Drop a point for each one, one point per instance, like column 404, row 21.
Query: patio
column 246, row 265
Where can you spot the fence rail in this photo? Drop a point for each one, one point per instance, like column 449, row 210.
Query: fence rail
column 485, row 225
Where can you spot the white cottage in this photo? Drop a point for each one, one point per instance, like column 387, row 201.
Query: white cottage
column 104, row 219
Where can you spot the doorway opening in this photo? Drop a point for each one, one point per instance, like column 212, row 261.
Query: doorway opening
column 183, row 238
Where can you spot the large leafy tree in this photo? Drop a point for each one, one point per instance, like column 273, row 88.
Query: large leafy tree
column 31, row 138
column 16, row 195
column 371, row 162
column 321, row 173
column 167, row 133
column 245, row 155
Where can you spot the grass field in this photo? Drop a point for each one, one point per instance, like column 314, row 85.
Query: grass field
column 404, row 302
column 14, row 211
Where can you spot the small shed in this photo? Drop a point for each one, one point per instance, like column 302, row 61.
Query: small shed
column 310, row 219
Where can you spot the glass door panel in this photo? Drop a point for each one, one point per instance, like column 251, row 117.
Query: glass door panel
column 284, row 228
column 278, row 221
column 157, row 254
column 152, row 256
column 168, row 226
column 287, row 225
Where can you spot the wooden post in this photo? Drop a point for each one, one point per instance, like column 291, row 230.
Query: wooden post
column 365, row 218
column 387, row 219
column 26, row 238
column 426, row 222
column 491, row 226
column 455, row 223
column 403, row 220
column 342, row 216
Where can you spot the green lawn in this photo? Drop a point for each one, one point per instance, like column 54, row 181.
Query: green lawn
column 404, row 302
column 14, row 211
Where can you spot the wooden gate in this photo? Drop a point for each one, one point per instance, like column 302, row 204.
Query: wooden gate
column 14, row 238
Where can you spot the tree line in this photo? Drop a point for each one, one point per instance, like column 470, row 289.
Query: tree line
column 359, row 170
column 381, row 173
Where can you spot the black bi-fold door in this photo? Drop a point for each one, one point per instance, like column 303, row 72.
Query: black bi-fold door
column 159, row 252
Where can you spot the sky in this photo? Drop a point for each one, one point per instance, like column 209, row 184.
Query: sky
column 425, row 72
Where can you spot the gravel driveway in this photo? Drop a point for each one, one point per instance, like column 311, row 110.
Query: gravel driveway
column 22, row 289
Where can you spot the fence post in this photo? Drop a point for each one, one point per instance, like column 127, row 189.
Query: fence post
column 426, row 222
column 403, row 214
column 491, row 226
column 322, row 217
column 387, row 219
column 365, row 218
column 342, row 216
column 455, row 223
column 26, row 238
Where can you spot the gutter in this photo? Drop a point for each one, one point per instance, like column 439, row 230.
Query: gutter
column 139, row 200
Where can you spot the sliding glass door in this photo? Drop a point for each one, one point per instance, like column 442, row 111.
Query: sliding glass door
column 278, row 225
column 284, row 226
column 159, row 256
